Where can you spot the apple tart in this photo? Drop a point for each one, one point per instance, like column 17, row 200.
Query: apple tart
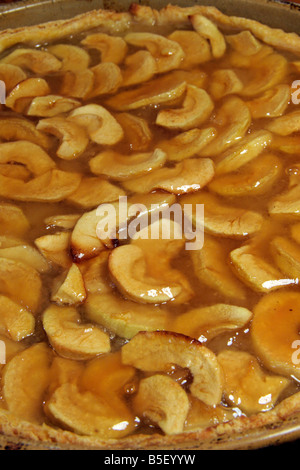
column 135, row 342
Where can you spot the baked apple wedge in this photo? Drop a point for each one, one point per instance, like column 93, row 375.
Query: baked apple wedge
column 156, row 351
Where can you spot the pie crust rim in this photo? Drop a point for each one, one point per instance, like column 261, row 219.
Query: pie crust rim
column 281, row 423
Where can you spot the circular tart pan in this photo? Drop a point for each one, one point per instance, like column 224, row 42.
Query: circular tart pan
column 275, row 427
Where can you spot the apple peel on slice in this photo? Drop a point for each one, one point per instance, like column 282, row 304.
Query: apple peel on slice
column 163, row 401
column 196, row 108
column 73, row 138
column 51, row 105
column 187, row 176
column 168, row 54
column 38, row 61
column 156, row 351
column 70, row 337
column 113, row 48
column 100, row 124
column 122, row 167
column 128, row 269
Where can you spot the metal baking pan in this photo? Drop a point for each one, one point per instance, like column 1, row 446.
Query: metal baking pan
column 276, row 13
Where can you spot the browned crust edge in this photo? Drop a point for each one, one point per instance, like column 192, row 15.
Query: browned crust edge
column 179, row 15
column 120, row 21
column 238, row 428
column 110, row 20
column 225, row 434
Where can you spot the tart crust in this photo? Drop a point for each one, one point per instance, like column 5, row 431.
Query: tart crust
column 115, row 22
column 242, row 432
column 211, row 437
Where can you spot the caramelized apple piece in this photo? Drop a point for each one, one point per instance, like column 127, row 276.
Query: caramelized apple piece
column 112, row 48
column 72, row 57
column 212, row 268
column 10, row 348
column 25, row 380
column 273, row 103
column 128, row 269
column 196, row 109
column 73, row 138
column 52, row 186
column 264, row 72
column 201, row 416
column 85, row 243
column 286, row 203
column 94, row 191
column 55, row 248
column 285, row 125
column 71, row 338
column 155, row 351
column 139, row 67
column 122, row 167
column 124, row 317
column 51, row 105
column 114, row 226
column 186, row 144
column 137, row 134
column 15, row 321
column 13, row 221
column 257, row 273
column 206, row 323
column 69, row 289
column 87, row 414
column 64, row 221
column 287, row 144
column 224, row 82
column 295, row 232
column 244, row 42
column 195, row 77
column 162, row 401
column 286, row 254
column 118, row 376
column 77, row 84
column 37, row 61
column 10, row 241
column 21, row 283
column 22, row 94
column 22, row 152
column 246, row 150
column 13, row 128
column 274, row 332
column 207, row 29
column 95, row 274
column 15, row 171
column 27, row 254
column 101, row 126
column 231, row 121
column 186, row 176
column 11, row 75
column 251, row 179
column 196, row 48
column 246, row 385
column 168, row 54
column 162, row 241
column 160, row 90
column 223, row 219
column 63, row 371
column 107, row 79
